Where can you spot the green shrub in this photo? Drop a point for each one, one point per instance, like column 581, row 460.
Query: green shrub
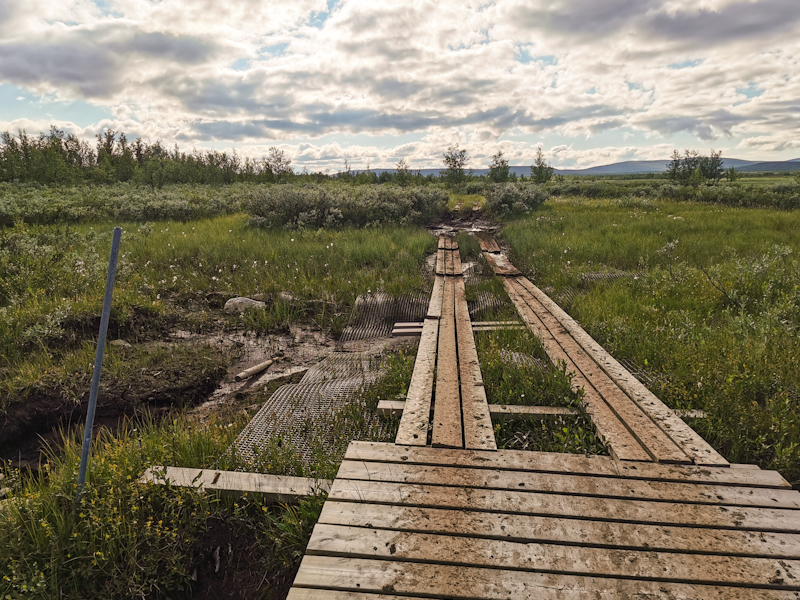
column 504, row 198
column 331, row 206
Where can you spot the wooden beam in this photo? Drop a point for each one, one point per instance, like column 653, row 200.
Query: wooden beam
column 690, row 442
column 414, row 425
column 447, row 429
column 389, row 408
column 559, row 483
column 468, row 583
column 500, row 265
column 712, row 569
column 622, row 444
column 478, row 430
column 568, row 506
column 579, row 532
column 556, row 462
column 413, row 429
column 277, row 488
column 658, row 444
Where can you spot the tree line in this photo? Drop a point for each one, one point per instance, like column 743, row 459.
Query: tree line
column 694, row 169
column 60, row 158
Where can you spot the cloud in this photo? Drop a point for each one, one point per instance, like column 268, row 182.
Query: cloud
column 733, row 23
column 439, row 70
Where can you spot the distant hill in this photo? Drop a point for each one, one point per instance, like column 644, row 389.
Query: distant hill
column 635, row 167
column 778, row 166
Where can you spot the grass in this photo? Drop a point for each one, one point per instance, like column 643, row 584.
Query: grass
column 173, row 273
column 128, row 539
column 466, row 202
column 516, row 370
column 710, row 320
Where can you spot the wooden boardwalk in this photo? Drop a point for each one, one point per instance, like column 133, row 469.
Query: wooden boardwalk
column 442, row 513
column 631, row 420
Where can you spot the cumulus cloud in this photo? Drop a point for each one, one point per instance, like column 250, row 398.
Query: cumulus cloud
column 510, row 75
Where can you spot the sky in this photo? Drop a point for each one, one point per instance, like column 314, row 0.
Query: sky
column 590, row 82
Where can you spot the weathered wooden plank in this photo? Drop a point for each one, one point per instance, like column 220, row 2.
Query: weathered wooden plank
column 658, row 444
column 478, row 430
column 390, row 408
column 500, row 265
column 407, row 332
column 360, row 542
column 441, row 268
column 487, row 243
column 435, row 304
column 560, row 483
column 278, row 488
column 622, row 444
column 481, row 328
column 447, row 430
column 322, row 594
column 457, row 268
column 568, row 506
column 689, row 440
column 413, row 429
column 555, row 462
column 580, row 532
column 449, row 265
column 409, row 325
column 470, row 583
column 514, row 411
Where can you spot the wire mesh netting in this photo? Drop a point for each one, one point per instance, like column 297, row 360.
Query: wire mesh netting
column 320, row 412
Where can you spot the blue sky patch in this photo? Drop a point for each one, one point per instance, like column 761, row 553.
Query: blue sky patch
column 524, row 56
column 243, row 64
column 34, row 108
column 273, row 50
column 317, row 19
column 751, row 91
column 686, row 64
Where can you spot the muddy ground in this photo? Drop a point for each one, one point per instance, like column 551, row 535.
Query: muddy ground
column 197, row 370
column 194, row 371
column 191, row 371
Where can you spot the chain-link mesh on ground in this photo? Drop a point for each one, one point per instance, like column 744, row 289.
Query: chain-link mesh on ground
column 321, row 413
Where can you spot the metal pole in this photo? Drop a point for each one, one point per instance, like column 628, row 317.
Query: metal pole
column 98, row 361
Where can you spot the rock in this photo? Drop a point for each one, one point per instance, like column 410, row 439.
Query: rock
column 119, row 343
column 239, row 305
column 286, row 296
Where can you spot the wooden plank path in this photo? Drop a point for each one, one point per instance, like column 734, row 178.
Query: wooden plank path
column 632, row 421
column 442, row 513
column 447, row 378
column 418, row 522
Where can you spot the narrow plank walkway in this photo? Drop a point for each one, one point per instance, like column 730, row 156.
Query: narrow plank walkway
column 632, row 421
column 664, row 517
column 437, row 523
column 446, row 395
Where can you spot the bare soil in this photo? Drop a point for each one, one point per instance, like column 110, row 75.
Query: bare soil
column 233, row 562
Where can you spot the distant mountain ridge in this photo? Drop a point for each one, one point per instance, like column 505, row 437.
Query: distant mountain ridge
column 636, row 167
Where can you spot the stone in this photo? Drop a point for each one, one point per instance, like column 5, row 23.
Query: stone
column 119, row 343
column 239, row 305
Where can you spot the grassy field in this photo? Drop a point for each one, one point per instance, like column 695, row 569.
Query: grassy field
column 708, row 313
column 179, row 274
column 129, row 540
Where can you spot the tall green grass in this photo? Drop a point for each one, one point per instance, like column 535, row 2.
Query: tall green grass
column 711, row 319
column 171, row 273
